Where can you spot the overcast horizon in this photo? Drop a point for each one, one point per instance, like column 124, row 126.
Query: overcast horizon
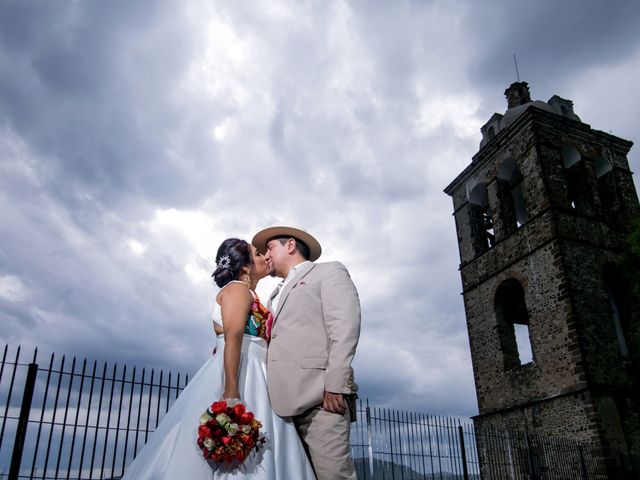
column 136, row 136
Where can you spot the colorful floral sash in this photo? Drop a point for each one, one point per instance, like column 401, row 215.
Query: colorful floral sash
column 259, row 321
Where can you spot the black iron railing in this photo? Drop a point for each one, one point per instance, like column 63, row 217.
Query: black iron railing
column 392, row 444
column 83, row 420
column 77, row 420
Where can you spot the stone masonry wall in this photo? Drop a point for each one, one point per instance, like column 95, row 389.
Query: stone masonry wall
column 554, row 368
column 550, row 417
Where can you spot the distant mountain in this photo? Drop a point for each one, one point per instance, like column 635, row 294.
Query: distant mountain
column 383, row 470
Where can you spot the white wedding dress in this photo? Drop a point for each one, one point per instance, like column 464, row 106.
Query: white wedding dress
column 172, row 454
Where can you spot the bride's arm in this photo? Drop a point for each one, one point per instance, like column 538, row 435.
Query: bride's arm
column 236, row 305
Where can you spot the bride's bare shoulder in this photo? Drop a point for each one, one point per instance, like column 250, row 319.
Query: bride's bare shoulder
column 234, row 291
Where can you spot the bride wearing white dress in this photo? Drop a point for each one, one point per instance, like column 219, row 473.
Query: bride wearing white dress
column 236, row 371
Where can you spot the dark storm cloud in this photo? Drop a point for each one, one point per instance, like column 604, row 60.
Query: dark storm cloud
column 90, row 85
column 550, row 39
column 88, row 116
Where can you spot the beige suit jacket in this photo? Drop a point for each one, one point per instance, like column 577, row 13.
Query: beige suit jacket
column 313, row 339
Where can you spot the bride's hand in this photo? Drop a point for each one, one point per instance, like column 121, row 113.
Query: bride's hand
column 231, row 395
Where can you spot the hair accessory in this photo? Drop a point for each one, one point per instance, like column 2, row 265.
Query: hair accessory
column 224, row 262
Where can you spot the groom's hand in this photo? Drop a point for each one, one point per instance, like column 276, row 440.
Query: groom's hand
column 334, row 403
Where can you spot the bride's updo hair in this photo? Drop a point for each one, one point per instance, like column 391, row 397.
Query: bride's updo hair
column 233, row 255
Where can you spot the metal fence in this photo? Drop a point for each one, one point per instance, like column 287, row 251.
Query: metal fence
column 392, row 444
column 83, row 420
column 389, row 444
column 77, row 420
column 508, row 454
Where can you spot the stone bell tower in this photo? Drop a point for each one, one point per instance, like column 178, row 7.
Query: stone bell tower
column 542, row 214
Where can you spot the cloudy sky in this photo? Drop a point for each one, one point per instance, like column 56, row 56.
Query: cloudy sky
column 136, row 136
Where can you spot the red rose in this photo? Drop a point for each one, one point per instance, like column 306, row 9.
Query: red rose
column 204, row 431
column 218, row 407
column 246, row 418
column 239, row 409
column 226, row 440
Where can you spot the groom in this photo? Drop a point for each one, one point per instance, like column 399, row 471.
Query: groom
column 313, row 340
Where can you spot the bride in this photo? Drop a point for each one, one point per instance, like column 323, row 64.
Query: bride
column 236, row 371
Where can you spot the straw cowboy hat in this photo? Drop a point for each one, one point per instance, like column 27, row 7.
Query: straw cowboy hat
column 263, row 236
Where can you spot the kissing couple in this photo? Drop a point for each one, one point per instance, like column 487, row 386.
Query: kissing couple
column 288, row 362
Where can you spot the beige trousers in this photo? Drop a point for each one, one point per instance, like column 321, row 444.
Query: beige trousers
column 325, row 437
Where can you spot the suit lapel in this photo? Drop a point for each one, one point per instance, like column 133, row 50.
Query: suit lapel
column 292, row 284
column 272, row 296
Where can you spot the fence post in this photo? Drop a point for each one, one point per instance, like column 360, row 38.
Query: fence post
column 370, row 449
column 583, row 468
column 23, row 422
column 465, row 472
column 533, row 474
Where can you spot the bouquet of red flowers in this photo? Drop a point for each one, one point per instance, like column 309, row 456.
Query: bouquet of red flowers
column 228, row 432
